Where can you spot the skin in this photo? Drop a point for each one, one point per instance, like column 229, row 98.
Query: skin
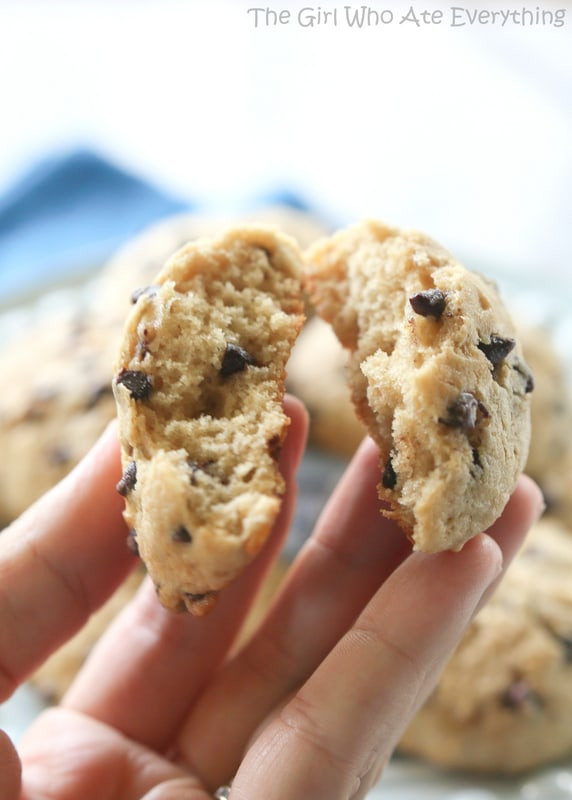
column 312, row 706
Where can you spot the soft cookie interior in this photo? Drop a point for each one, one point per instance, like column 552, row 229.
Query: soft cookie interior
column 199, row 385
column 436, row 374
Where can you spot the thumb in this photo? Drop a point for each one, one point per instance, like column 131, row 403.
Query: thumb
column 10, row 769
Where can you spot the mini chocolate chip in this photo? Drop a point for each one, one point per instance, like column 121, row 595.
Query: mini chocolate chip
column 497, row 349
column 518, row 695
column 477, row 458
column 203, row 466
column 462, row 413
column 131, row 542
column 198, row 598
column 566, row 642
column 96, row 395
column 58, row 456
column 274, row 447
column 430, row 303
column 389, row 478
column 235, row 359
column 137, row 382
column 40, row 404
column 128, row 479
column 181, row 534
column 528, row 379
column 148, row 291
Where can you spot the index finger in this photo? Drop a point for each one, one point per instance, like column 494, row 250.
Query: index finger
column 60, row 561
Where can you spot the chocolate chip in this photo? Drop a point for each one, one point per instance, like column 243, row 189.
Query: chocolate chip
column 497, row 349
column 96, row 395
column 566, row 642
column 137, row 382
column 274, row 447
column 462, row 413
column 40, row 404
column 199, row 598
column 519, row 695
column 235, row 359
column 430, row 303
column 128, row 480
column 58, row 456
column 148, row 291
column 389, row 478
column 131, row 542
column 477, row 458
column 203, row 466
column 181, row 534
column 528, row 379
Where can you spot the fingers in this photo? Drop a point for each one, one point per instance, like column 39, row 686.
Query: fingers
column 351, row 553
column 178, row 789
column 338, row 731
column 10, row 769
column 147, row 695
column 59, row 561
column 70, row 756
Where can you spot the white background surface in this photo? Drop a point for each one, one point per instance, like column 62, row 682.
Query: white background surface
column 462, row 132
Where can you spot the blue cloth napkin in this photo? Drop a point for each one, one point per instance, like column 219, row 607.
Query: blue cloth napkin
column 70, row 212
column 67, row 215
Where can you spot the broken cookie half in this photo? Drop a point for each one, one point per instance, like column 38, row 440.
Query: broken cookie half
column 199, row 385
column 436, row 373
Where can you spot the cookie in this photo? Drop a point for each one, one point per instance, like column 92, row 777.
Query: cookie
column 504, row 703
column 436, row 375
column 137, row 263
column 199, row 382
column 59, row 402
column 317, row 375
column 550, row 456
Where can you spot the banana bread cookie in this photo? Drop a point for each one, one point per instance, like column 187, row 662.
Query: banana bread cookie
column 60, row 401
column 436, row 374
column 199, row 383
column 550, row 456
column 317, row 375
column 504, row 703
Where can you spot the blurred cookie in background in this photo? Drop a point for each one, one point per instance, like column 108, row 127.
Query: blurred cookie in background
column 58, row 403
column 316, row 374
column 550, row 455
column 504, row 702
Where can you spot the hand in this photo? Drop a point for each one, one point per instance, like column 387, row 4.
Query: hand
column 311, row 707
